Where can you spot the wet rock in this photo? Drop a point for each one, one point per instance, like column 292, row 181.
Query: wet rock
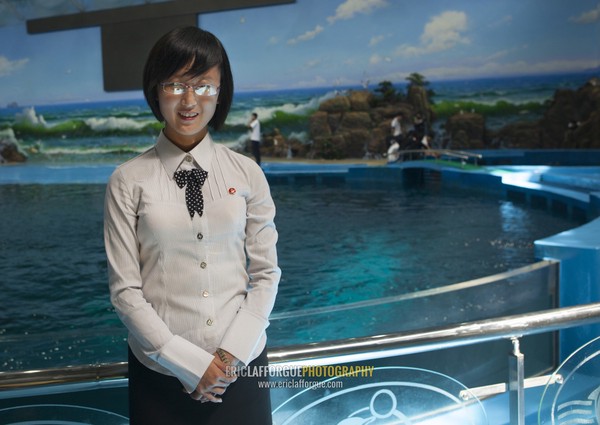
column 355, row 121
column 10, row 151
column 319, row 124
column 520, row 135
column 571, row 121
column 357, row 124
column 466, row 131
column 336, row 104
column 361, row 100
column 417, row 97
column 276, row 145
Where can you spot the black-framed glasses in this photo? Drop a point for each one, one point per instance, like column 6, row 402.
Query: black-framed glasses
column 181, row 88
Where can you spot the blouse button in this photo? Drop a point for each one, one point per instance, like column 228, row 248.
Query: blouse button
column 209, row 322
column 188, row 158
column 203, row 265
column 200, row 236
column 205, row 294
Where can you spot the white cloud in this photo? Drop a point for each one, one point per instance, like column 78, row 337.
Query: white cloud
column 376, row 40
column 317, row 81
column 502, row 21
column 313, row 63
column 442, row 32
column 349, row 8
column 308, row 35
column 377, row 59
column 588, row 17
column 498, row 55
column 7, row 66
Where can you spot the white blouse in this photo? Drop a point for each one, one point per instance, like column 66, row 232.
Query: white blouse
column 184, row 287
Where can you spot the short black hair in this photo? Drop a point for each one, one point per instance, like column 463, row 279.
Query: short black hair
column 178, row 49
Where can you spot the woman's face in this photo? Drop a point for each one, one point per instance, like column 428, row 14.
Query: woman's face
column 187, row 115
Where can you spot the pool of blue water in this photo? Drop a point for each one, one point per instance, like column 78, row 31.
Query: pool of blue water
column 338, row 244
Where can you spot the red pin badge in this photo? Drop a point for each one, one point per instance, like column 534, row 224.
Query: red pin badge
column 232, row 190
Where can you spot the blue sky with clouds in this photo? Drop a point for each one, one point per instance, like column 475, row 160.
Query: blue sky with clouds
column 333, row 42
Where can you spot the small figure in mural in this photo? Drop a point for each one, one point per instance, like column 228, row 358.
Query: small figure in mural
column 396, row 127
column 254, row 126
column 395, row 140
column 569, row 139
column 192, row 260
column 427, row 144
column 393, row 153
column 419, row 126
column 391, row 412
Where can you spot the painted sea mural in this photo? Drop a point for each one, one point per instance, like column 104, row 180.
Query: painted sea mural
column 502, row 60
column 114, row 131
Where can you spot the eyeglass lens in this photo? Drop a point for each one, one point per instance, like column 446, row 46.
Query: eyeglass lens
column 180, row 88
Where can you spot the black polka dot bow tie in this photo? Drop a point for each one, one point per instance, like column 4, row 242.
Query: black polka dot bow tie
column 194, row 179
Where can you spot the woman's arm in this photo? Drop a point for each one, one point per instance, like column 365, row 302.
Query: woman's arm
column 249, row 325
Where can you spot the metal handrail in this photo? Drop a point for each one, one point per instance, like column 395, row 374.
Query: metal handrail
column 403, row 343
column 463, row 155
column 65, row 375
column 331, row 352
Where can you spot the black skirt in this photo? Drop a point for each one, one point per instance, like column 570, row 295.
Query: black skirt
column 157, row 399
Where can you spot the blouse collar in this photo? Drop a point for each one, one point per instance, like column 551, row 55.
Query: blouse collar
column 172, row 157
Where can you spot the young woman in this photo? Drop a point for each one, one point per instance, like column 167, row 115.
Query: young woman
column 190, row 240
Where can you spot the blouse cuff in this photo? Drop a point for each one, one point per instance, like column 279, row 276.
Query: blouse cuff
column 185, row 360
column 243, row 335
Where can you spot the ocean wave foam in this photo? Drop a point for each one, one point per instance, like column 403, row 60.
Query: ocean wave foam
column 267, row 113
column 114, row 123
column 29, row 116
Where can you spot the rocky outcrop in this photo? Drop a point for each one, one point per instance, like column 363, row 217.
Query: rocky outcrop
column 466, row 131
column 418, row 99
column 276, row 145
column 572, row 121
column 342, row 127
column 520, row 135
column 10, row 150
column 355, row 125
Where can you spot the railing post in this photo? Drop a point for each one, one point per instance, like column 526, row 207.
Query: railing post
column 516, row 388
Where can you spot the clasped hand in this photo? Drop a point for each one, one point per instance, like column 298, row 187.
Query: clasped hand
column 214, row 382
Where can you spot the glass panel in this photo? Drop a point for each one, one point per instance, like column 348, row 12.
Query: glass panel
column 480, row 299
column 477, row 299
column 575, row 398
column 468, row 301
column 381, row 395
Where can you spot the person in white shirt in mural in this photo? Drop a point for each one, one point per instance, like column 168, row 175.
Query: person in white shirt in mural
column 191, row 245
column 254, row 126
column 396, row 127
column 393, row 151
